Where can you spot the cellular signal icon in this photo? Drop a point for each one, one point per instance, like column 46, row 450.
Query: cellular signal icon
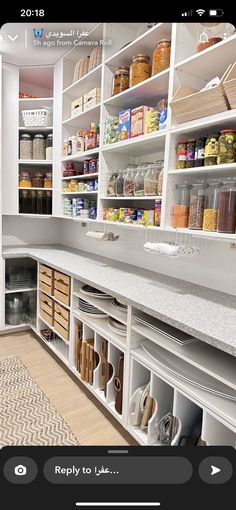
column 187, row 13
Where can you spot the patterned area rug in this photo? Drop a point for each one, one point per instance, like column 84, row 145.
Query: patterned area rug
column 27, row 417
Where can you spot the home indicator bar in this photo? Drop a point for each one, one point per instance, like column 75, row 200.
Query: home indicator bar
column 117, row 504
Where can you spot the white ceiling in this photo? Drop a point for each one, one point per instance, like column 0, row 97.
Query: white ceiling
column 21, row 53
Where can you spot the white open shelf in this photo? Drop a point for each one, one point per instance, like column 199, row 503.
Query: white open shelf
column 212, row 169
column 80, row 177
column 79, row 192
column 80, row 156
column 150, row 197
column 31, row 103
column 84, row 119
column 202, row 233
column 105, row 305
column 59, row 348
column 35, row 129
column 36, row 189
column 35, row 162
column 143, row 144
column 202, row 125
column 101, row 326
column 148, row 91
column 84, row 84
column 54, row 330
column 26, row 289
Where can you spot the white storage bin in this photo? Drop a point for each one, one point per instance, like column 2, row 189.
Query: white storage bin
column 35, row 118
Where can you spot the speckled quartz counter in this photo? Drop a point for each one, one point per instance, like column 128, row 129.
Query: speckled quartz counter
column 207, row 314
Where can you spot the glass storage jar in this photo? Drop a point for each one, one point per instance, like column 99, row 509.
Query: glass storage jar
column 39, row 146
column 227, row 147
column 111, row 184
column 160, row 180
column 181, row 155
column 49, row 142
column 199, row 151
column 48, row 202
column 227, row 207
column 211, row 206
column 25, row 180
column 197, row 205
column 128, row 189
column 33, row 201
column 40, row 202
column 26, row 146
column 24, row 202
column 139, row 181
column 38, row 180
column 161, row 56
column 120, row 80
column 211, row 150
column 181, row 207
column 151, row 180
column 120, row 183
column 190, row 153
column 209, row 34
column 140, row 69
column 48, row 180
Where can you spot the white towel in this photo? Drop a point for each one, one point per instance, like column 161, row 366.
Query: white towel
column 95, row 235
column 162, row 249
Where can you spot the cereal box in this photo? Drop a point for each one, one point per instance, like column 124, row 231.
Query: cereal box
column 158, row 212
column 124, row 125
column 138, row 120
column 149, row 218
column 151, row 121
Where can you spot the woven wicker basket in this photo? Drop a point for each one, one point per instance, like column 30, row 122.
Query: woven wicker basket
column 229, row 85
column 81, row 68
column 190, row 104
column 95, row 58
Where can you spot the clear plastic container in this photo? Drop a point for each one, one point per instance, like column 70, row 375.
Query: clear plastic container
column 111, row 184
column 128, row 189
column 181, row 207
column 139, row 181
column 151, row 180
column 26, row 146
column 39, row 146
column 212, row 205
column 120, row 183
column 197, row 205
column 227, row 207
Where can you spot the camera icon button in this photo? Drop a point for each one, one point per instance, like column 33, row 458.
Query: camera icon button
column 20, row 470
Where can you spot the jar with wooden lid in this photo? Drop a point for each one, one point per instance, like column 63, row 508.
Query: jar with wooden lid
column 38, row 180
column 161, row 56
column 25, row 180
column 120, row 80
column 140, row 69
column 48, row 180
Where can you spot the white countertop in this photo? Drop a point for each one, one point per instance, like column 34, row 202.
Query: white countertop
column 204, row 313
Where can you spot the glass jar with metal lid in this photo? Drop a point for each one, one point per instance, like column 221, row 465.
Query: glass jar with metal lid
column 197, row 204
column 211, row 149
column 128, row 189
column 120, row 80
column 140, row 69
column 25, row 180
column 120, row 183
column 212, row 205
column 38, row 180
column 181, row 206
column 48, row 180
column 227, row 147
column 139, row 181
column 161, row 56
column 227, row 207
column 26, row 146
column 39, row 146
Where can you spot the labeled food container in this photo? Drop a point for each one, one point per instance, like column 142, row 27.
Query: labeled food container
column 181, row 207
column 140, row 69
column 227, row 147
column 25, row 180
column 227, row 207
column 120, row 80
column 39, row 146
column 190, row 153
column 161, row 56
column 197, row 205
column 26, row 146
column 212, row 205
column 181, row 155
column 211, row 150
column 199, row 151
column 49, row 142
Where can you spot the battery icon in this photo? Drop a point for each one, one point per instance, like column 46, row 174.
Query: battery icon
column 216, row 12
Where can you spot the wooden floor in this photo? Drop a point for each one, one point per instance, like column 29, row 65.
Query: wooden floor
column 91, row 423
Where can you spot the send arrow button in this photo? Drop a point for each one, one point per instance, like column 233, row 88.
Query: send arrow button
column 215, row 470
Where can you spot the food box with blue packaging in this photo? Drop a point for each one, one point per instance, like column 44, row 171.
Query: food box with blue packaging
column 124, row 126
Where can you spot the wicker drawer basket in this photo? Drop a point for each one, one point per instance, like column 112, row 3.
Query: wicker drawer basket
column 230, row 86
column 189, row 104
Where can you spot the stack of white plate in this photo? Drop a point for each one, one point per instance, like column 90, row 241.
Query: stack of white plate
column 117, row 327
column 91, row 310
column 91, row 291
column 119, row 306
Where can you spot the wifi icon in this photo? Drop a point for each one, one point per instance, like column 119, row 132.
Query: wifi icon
column 200, row 12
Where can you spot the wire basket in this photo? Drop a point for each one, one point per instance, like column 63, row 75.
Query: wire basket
column 35, row 118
